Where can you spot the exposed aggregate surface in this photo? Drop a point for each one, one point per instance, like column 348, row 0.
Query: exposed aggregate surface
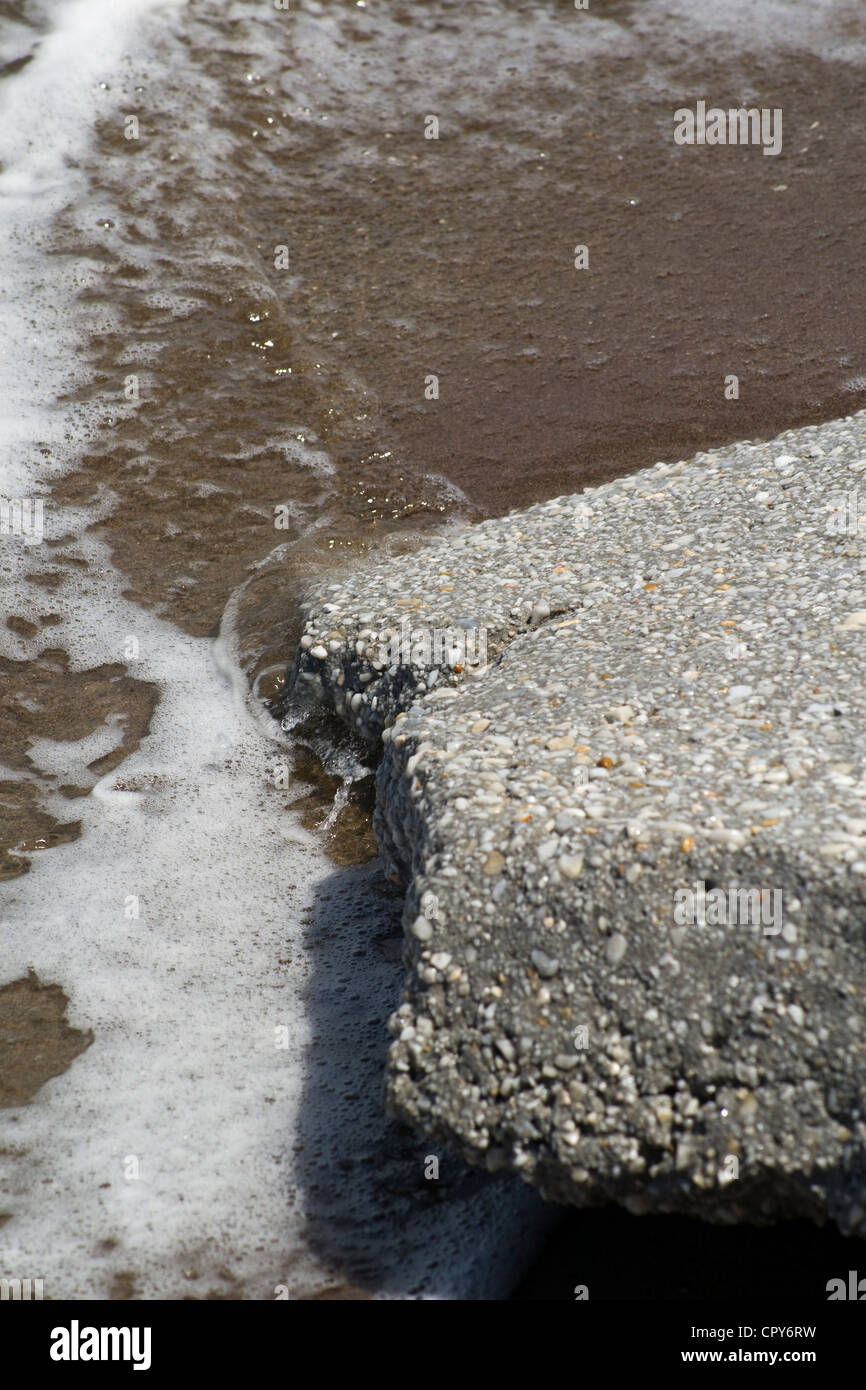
column 673, row 697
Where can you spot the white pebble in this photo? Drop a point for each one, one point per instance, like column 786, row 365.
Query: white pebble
column 616, row 948
column 571, row 865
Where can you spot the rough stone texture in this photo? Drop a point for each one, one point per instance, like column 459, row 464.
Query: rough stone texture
column 674, row 695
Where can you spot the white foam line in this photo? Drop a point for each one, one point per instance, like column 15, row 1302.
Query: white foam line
column 175, row 926
column 47, row 109
column 165, row 924
column 47, row 114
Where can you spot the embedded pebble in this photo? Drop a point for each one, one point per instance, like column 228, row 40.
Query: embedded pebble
column 616, row 948
column 571, row 865
column 545, row 966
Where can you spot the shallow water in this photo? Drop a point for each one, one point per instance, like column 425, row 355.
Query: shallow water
column 218, row 326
